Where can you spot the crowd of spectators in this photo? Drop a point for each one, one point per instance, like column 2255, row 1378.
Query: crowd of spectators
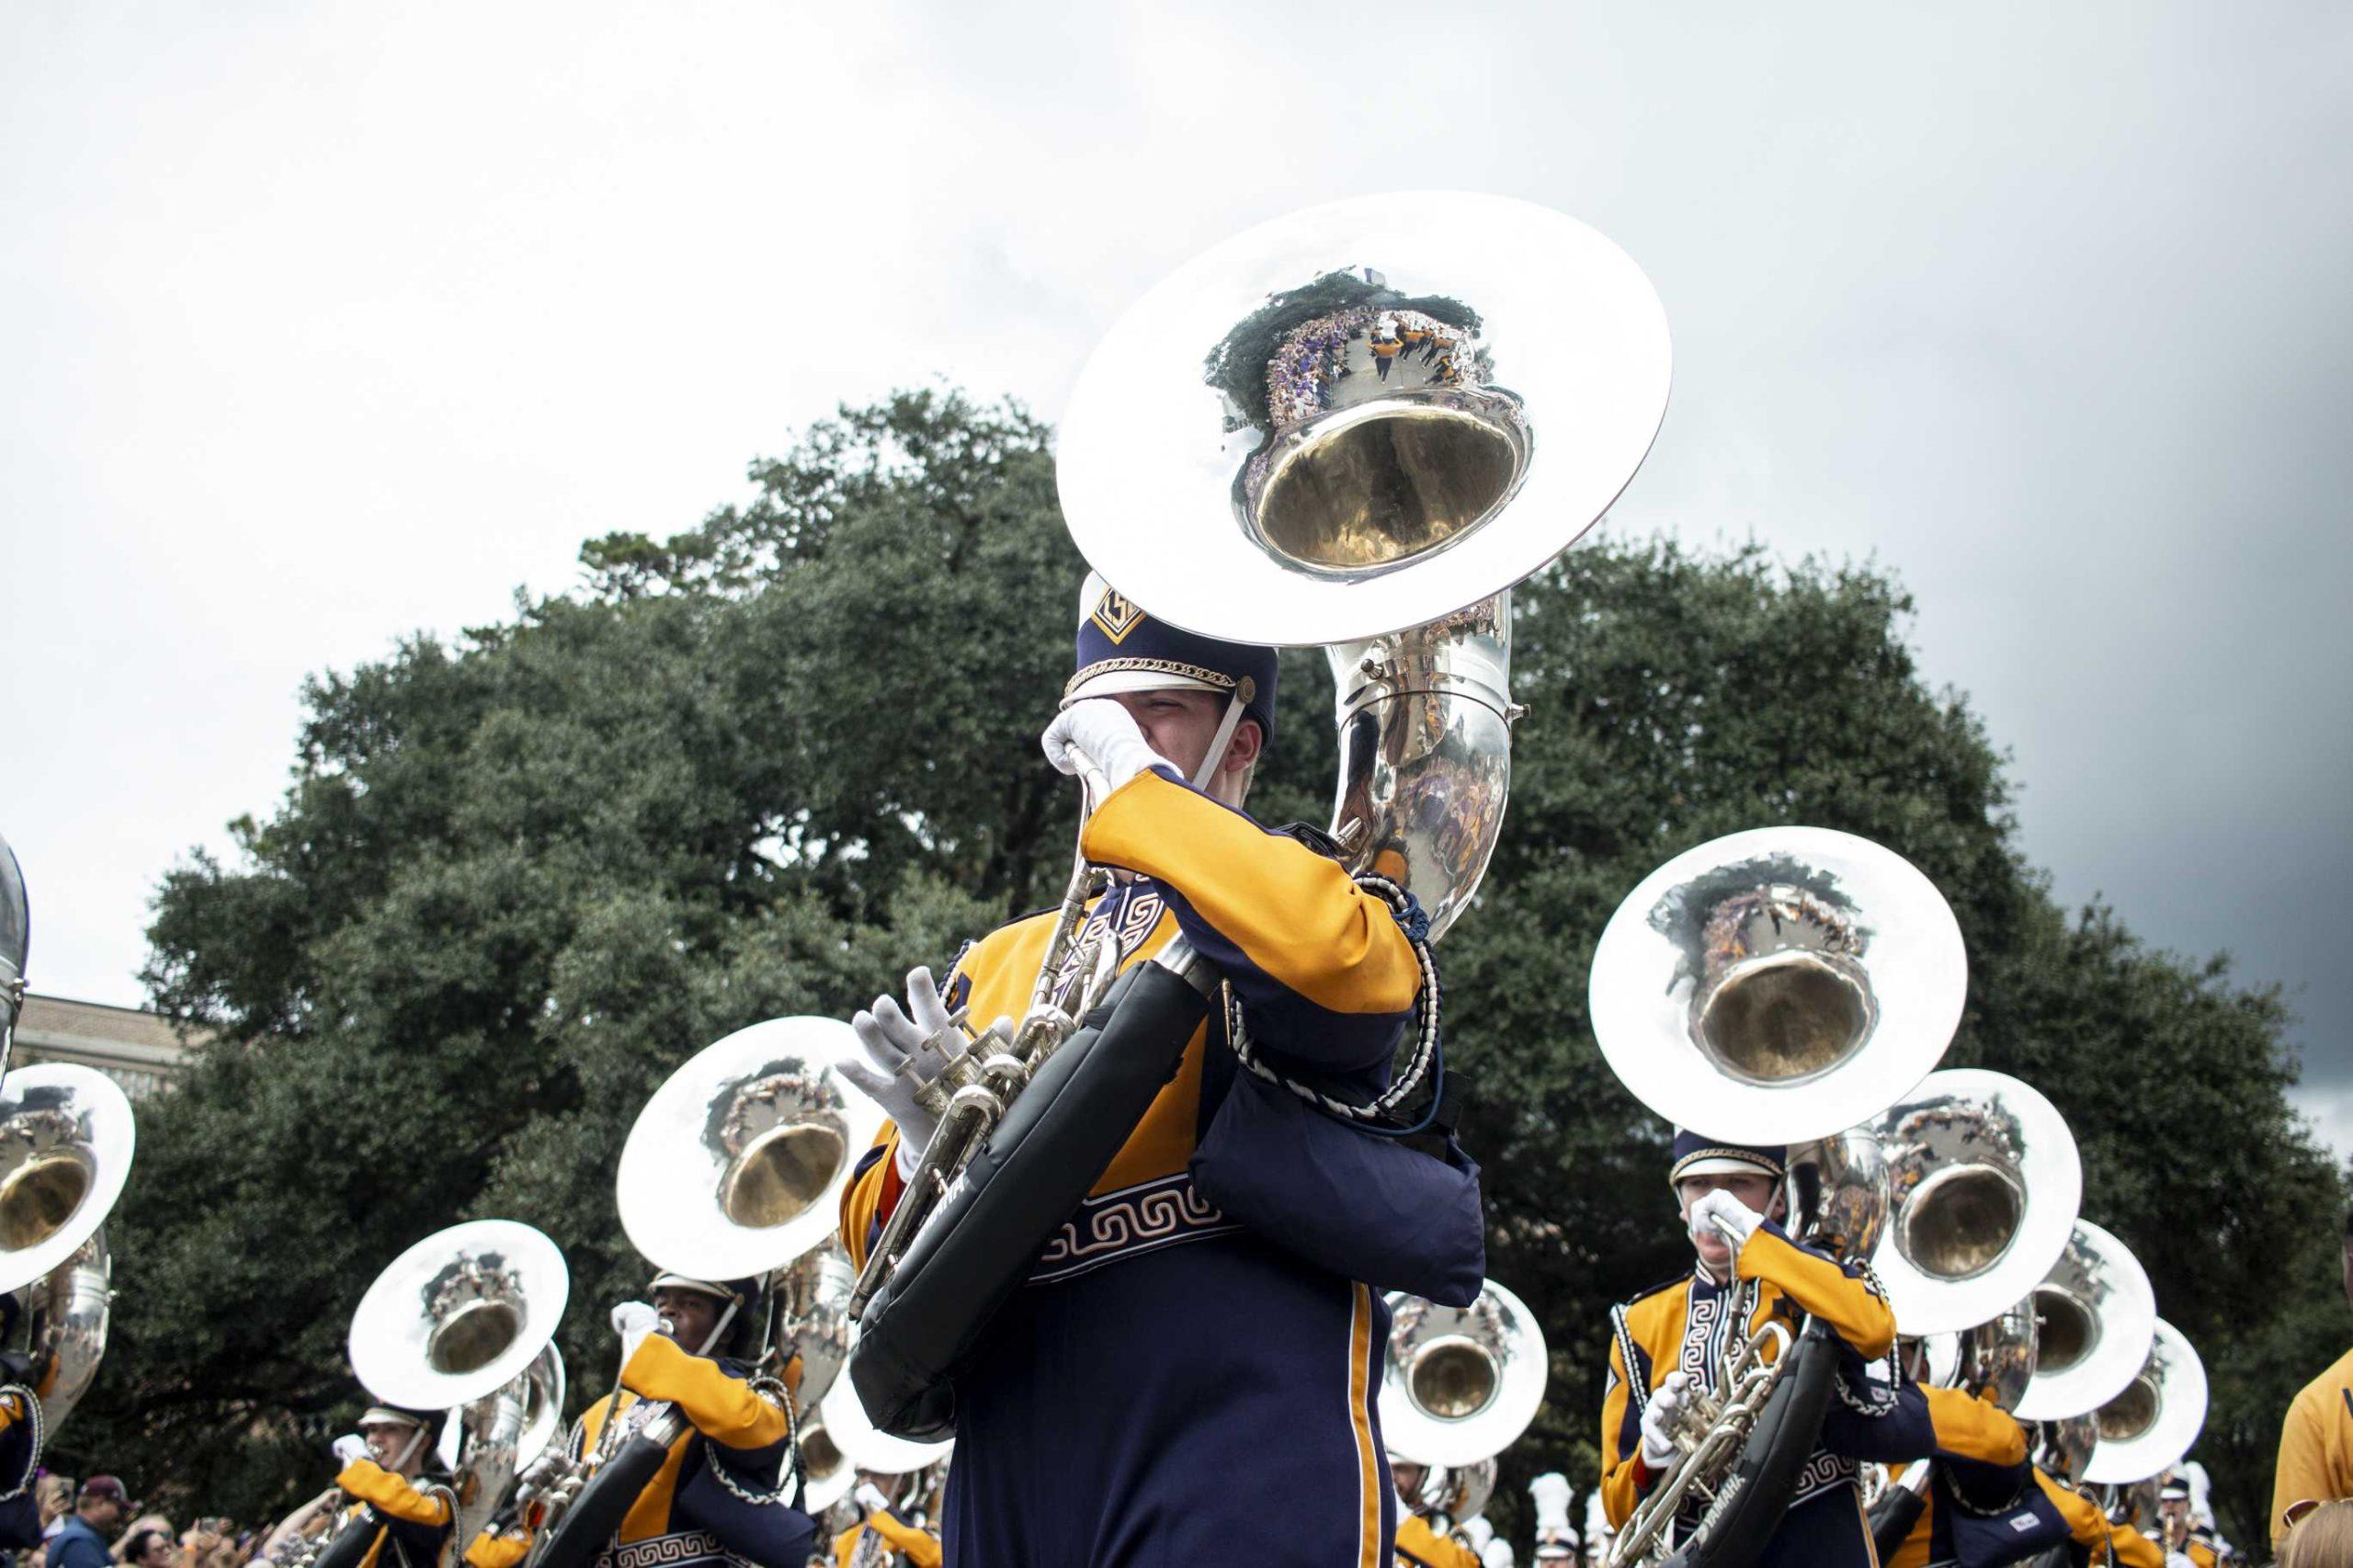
column 96, row 1525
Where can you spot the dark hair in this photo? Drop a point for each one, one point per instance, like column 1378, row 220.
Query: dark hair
column 136, row 1547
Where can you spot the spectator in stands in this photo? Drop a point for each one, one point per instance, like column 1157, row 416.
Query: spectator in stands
column 99, row 1510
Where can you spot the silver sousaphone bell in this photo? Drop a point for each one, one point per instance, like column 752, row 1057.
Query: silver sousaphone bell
column 458, row 1314
column 1779, row 984
column 2096, row 1319
column 1984, row 1181
column 738, row 1163
column 1358, row 427
column 1995, row 1358
column 67, row 1138
column 1460, row 1384
column 2144, row 1430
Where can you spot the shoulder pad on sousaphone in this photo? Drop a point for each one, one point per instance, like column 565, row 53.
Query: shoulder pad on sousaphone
column 1750, row 1505
column 1054, row 1143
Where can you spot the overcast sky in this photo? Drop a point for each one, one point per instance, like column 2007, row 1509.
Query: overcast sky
column 320, row 324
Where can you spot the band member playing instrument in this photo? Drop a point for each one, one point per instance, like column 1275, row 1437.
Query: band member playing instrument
column 2175, row 1528
column 1421, row 1543
column 1169, row 1381
column 882, row 1539
column 1677, row 1334
column 721, row 1493
column 410, row 1513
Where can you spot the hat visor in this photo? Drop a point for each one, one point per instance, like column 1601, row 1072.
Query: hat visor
column 1724, row 1165
column 681, row 1282
column 1111, row 682
column 380, row 1415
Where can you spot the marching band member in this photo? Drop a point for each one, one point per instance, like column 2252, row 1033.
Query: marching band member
column 2173, row 1524
column 1676, row 1334
column 1556, row 1538
column 410, row 1513
column 1419, row 1543
column 2133, row 1549
column 881, row 1539
column 1157, row 1338
column 719, row 1497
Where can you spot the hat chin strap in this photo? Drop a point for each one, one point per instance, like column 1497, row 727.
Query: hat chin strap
column 718, row 1329
column 1224, row 737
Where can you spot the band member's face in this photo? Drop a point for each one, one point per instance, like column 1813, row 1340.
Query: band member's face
column 1408, row 1477
column 2174, row 1514
column 1759, row 1193
column 386, row 1439
column 1180, row 724
column 688, row 1317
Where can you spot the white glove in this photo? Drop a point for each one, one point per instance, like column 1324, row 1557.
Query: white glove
column 1106, row 733
column 350, row 1447
column 1658, row 1418
column 633, row 1321
column 1497, row 1554
column 869, row 1498
column 903, row 1055
column 1550, row 1492
column 1719, row 1209
column 1477, row 1533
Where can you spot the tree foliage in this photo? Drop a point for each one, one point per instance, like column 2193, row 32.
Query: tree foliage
column 763, row 765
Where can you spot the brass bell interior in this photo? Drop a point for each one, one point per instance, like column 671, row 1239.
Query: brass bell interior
column 2066, row 1330
column 1782, row 1015
column 1959, row 1221
column 474, row 1337
column 40, row 1194
column 2131, row 1412
column 780, row 1172
column 1453, row 1379
column 1379, row 485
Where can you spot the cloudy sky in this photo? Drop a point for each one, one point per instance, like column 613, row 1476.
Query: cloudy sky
column 323, row 322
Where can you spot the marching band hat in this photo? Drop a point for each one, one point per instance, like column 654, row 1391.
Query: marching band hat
column 2173, row 1488
column 1122, row 649
column 1699, row 1155
column 717, row 1291
column 396, row 1415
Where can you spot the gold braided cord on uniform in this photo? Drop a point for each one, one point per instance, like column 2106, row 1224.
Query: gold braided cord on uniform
column 1158, row 666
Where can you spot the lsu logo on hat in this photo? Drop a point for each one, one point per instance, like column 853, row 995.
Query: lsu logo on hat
column 1116, row 614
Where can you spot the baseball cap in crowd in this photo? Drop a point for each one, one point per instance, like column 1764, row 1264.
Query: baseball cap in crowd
column 107, row 1486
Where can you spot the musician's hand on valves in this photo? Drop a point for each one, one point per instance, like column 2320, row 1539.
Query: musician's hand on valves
column 869, row 1498
column 904, row 1051
column 1719, row 1215
column 1658, row 1420
column 1105, row 735
column 350, row 1448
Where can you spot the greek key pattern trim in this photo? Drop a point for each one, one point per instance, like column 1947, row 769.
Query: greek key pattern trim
column 1825, row 1472
column 686, row 1546
column 1140, row 1219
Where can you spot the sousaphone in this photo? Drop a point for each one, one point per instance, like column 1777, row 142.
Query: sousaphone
column 465, row 1319
column 734, row 1169
column 2096, row 1320
column 1984, row 1182
column 67, row 1138
column 1777, row 984
column 1458, row 1385
column 1358, row 427
column 2146, row 1430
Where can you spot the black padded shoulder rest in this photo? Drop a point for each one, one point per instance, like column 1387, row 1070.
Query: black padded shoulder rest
column 1055, row 1142
column 1757, row 1493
